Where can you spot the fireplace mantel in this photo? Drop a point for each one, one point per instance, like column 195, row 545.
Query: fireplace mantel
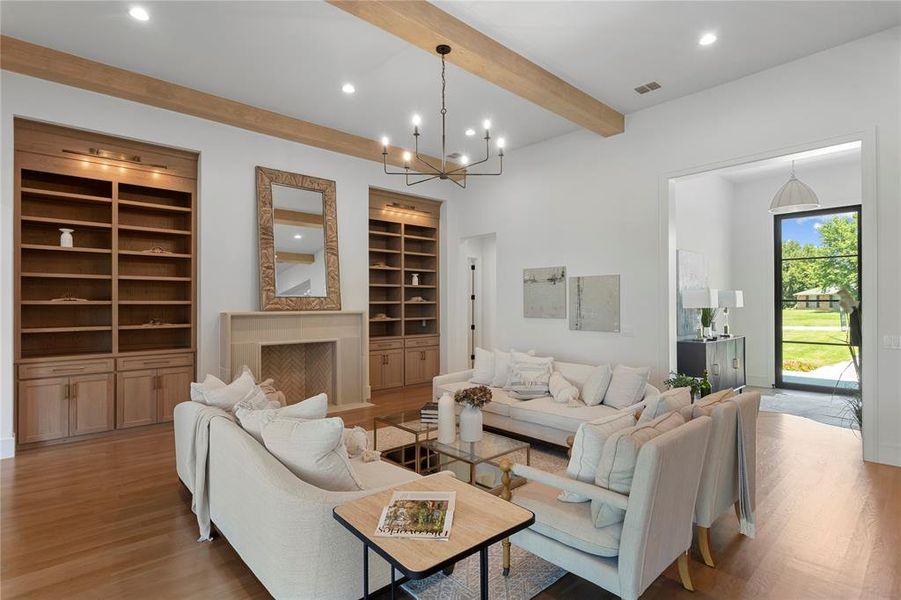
column 243, row 335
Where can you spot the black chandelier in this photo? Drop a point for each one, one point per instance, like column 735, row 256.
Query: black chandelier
column 457, row 174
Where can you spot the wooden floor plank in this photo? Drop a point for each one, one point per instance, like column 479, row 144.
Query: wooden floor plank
column 107, row 518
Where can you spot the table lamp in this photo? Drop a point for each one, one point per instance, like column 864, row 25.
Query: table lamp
column 700, row 298
column 730, row 299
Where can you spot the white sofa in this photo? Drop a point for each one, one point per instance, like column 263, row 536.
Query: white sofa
column 541, row 418
column 282, row 527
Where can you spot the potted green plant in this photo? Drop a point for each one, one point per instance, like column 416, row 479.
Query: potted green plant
column 678, row 380
column 708, row 316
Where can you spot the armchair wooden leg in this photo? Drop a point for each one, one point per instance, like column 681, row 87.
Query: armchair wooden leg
column 683, row 572
column 506, row 494
column 570, row 440
column 738, row 510
column 704, row 546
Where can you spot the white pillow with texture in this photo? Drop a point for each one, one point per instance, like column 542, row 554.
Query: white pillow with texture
column 253, row 420
column 596, row 385
column 483, row 369
column 617, row 465
column 312, row 450
column 563, row 391
column 355, row 441
column 502, row 367
column 529, row 375
column 226, row 396
column 627, row 386
column 668, row 401
column 588, row 445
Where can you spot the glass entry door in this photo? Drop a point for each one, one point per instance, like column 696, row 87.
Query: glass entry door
column 818, row 300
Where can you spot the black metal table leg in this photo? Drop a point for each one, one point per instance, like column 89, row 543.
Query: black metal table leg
column 365, row 572
column 483, row 575
column 393, row 585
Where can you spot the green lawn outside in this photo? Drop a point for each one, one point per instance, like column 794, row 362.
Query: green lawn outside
column 810, row 318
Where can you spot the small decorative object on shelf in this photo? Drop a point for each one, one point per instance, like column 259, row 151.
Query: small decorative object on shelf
column 447, row 419
column 380, row 316
column 417, row 299
column 67, row 297
column 472, row 399
column 156, row 250
column 65, row 238
column 415, row 279
column 429, row 413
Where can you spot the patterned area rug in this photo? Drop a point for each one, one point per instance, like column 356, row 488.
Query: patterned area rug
column 529, row 574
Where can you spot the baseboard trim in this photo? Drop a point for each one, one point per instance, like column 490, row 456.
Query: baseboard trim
column 7, row 447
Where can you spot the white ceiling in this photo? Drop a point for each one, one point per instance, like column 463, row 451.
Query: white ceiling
column 829, row 156
column 293, row 57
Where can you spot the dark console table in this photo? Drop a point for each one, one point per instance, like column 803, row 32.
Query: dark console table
column 723, row 358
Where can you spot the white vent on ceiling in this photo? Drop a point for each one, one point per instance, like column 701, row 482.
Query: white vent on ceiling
column 648, row 87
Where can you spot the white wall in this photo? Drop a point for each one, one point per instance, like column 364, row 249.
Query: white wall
column 481, row 251
column 752, row 253
column 228, row 220
column 298, row 273
column 704, row 225
column 601, row 205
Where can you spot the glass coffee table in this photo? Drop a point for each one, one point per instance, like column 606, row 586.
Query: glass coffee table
column 409, row 455
column 476, row 462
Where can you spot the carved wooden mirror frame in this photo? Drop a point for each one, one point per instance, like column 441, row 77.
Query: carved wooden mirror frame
column 269, row 300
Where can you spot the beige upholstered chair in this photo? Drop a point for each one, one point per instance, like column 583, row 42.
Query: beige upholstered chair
column 657, row 530
column 719, row 491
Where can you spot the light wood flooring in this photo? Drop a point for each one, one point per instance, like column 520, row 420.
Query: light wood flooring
column 108, row 518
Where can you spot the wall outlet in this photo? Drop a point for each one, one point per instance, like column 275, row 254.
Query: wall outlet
column 892, row 341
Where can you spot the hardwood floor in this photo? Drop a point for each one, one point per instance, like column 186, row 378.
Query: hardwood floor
column 108, row 518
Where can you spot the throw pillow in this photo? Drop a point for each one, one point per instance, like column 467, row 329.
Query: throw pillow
column 355, row 441
column 588, row 445
column 483, row 369
column 253, row 420
column 563, row 391
column 225, row 396
column 596, row 385
column 668, row 401
column 312, row 450
column 502, row 367
column 705, row 405
column 617, row 465
column 626, row 386
column 529, row 376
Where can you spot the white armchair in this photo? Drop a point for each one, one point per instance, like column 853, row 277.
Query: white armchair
column 657, row 529
column 719, row 489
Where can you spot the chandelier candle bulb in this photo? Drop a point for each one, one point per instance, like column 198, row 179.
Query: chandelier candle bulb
column 385, row 141
column 486, row 125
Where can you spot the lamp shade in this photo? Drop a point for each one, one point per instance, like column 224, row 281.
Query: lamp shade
column 700, row 298
column 794, row 196
column 731, row 298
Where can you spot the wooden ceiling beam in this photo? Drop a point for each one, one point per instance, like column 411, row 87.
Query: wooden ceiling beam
column 283, row 216
column 294, row 257
column 30, row 59
column 425, row 25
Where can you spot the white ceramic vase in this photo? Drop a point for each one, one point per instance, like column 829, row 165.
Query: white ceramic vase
column 65, row 238
column 471, row 424
column 447, row 419
column 415, row 278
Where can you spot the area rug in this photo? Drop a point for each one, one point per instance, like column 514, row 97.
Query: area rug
column 529, row 575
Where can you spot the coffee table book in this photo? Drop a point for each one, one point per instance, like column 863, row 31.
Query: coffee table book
column 418, row 515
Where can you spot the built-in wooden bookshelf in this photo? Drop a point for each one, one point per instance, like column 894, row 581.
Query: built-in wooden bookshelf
column 403, row 318
column 125, row 289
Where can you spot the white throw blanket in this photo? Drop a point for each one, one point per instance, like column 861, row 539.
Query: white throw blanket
column 200, row 462
column 746, row 453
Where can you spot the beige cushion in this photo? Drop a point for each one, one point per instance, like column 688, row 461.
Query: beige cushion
column 529, row 375
column 561, row 389
column 570, row 524
column 483, row 368
column 380, row 473
column 627, row 386
column 312, row 450
column 706, row 404
column 668, row 401
column 253, row 420
column 617, row 465
column 575, row 373
column 549, row 413
column 213, row 392
column 596, row 385
column 587, row 448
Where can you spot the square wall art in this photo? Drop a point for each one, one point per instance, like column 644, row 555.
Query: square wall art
column 594, row 303
column 544, row 293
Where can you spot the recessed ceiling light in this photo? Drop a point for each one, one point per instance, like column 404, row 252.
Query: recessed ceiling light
column 139, row 13
column 297, row 236
column 470, row 131
column 348, row 88
column 707, row 39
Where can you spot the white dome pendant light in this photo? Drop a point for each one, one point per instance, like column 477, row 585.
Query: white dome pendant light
column 794, row 196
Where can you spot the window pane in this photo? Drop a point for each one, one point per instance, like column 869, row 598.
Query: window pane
column 818, row 365
column 820, row 235
column 814, row 283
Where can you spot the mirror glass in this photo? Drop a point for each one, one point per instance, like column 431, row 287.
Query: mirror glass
column 299, row 239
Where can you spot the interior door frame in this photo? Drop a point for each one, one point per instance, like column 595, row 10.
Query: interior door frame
column 780, row 301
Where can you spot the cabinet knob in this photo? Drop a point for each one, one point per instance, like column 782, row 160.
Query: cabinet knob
column 735, row 364
column 716, row 369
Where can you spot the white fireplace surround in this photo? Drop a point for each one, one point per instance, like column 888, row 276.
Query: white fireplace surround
column 243, row 335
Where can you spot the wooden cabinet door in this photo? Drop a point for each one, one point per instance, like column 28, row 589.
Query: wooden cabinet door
column 92, row 403
column 376, row 369
column 393, row 369
column 174, row 386
column 413, row 367
column 136, row 398
column 43, row 410
column 740, row 379
column 430, row 365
